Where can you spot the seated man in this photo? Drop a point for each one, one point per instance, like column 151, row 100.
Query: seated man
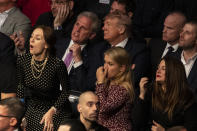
column 14, row 23
column 61, row 17
column 11, row 113
column 88, row 108
column 117, row 33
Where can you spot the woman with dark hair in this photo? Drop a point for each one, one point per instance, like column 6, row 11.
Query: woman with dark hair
column 115, row 90
column 169, row 102
column 40, row 74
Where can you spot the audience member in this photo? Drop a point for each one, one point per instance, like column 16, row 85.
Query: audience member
column 12, row 20
column 169, row 102
column 61, row 17
column 34, row 8
column 7, row 67
column 11, row 113
column 115, row 90
column 78, row 54
column 149, row 16
column 72, row 125
column 40, row 74
column 188, row 42
column 170, row 38
column 88, row 107
column 117, row 33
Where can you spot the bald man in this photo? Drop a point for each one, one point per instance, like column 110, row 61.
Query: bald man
column 88, row 107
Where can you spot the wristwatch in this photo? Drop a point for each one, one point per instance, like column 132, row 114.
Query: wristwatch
column 58, row 28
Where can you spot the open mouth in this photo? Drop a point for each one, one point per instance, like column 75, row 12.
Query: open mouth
column 31, row 47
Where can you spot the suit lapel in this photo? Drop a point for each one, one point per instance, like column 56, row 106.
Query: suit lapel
column 193, row 72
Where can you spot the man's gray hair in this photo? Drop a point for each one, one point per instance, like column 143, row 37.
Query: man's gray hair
column 96, row 23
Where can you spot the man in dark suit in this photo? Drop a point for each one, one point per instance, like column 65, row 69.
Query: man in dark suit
column 61, row 17
column 7, row 67
column 81, row 65
column 160, row 47
column 117, row 33
column 79, row 56
column 188, row 42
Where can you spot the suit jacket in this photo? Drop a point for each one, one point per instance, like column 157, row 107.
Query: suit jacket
column 139, row 56
column 15, row 22
column 156, row 47
column 82, row 78
column 7, row 65
column 192, row 77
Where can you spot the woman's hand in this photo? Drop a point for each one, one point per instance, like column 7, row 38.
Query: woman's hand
column 157, row 127
column 47, row 120
column 143, row 81
column 101, row 74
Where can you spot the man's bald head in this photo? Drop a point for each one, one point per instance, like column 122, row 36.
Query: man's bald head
column 88, row 106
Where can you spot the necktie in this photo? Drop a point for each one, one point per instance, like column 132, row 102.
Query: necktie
column 68, row 58
column 170, row 50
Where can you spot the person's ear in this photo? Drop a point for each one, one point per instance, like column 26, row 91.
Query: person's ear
column 79, row 108
column 46, row 46
column 13, row 121
column 122, row 29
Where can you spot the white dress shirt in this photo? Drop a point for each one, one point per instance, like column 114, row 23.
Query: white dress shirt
column 122, row 43
column 188, row 64
column 3, row 17
column 175, row 47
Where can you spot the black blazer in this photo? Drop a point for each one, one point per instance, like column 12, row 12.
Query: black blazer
column 7, row 65
column 82, row 78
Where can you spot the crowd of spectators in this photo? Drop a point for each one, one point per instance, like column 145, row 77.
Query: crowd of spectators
column 98, row 65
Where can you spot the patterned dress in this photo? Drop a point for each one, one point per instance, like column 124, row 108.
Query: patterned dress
column 44, row 92
column 115, row 107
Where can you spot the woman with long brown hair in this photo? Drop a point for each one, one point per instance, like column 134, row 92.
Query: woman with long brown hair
column 115, row 90
column 169, row 102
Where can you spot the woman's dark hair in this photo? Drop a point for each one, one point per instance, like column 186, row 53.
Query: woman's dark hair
column 49, row 37
column 176, row 93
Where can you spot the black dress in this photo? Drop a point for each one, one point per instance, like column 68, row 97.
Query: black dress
column 44, row 92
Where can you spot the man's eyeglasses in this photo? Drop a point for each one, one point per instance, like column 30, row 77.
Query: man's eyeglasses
column 5, row 116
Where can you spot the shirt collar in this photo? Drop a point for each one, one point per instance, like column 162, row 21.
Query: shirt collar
column 175, row 46
column 82, row 46
column 7, row 11
column 193, row 58
column 122, row 43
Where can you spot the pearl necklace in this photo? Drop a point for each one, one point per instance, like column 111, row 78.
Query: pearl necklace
column 37, row 68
